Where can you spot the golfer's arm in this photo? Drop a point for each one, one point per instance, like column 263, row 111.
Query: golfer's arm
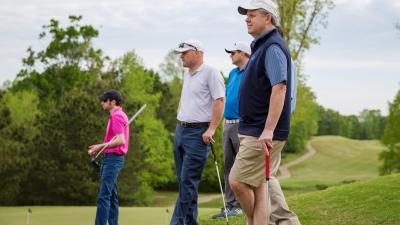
column 276, row 103
column 217, row 112
column 118, row 140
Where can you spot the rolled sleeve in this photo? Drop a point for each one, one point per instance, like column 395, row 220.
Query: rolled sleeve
column 276, row 65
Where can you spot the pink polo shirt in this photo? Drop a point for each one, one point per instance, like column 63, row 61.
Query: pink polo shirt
column 117, row 124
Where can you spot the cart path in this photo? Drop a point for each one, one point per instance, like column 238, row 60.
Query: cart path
column 284, row 169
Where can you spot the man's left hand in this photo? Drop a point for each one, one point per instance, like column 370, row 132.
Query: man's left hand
column 207, row 136
column 265, row 140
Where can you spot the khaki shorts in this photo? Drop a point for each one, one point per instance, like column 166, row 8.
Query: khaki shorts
column 249, row 166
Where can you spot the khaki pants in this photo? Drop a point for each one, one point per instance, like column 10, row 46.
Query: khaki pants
column 280, row 213
column 249, row 168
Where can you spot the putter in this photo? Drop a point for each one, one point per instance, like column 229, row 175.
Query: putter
column 219, row 179
column 267, row 176
column 94, row 158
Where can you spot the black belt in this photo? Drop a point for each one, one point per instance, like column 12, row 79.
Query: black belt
column 111, row 154
column 193, row 125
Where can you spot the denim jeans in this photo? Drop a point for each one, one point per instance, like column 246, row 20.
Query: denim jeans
column 190, row 154
column 107, row 202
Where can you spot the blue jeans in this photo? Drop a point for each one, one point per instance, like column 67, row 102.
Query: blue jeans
column 107, row 202
column 190, row 154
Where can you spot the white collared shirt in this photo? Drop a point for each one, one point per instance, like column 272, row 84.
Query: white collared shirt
column 199, row 91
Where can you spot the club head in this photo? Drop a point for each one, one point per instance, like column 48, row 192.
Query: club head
column 95, row 162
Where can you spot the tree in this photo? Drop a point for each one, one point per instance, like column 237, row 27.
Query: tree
column 67, row 76
column 299, row 20
column 391, row 157
column 172, row 67
column 18, row 114
column 68, row 61
column 172, row 70
column 373, row 124
column 304, row 123
column 151, row 159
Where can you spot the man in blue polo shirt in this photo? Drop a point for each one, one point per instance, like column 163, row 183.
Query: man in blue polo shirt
column 265, row 110
column 240, row 53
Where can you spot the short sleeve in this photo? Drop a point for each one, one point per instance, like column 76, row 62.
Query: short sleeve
column 276, row 65
column 118, row 124
column 216, row 84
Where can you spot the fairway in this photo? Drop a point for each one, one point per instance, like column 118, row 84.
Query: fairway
column 337, row 160
column 60, row 215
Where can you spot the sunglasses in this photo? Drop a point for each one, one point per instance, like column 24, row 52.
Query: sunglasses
column 182, row 45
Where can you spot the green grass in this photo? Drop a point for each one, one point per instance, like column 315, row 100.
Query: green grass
column 372, row 202
column 61, row 215
column 338, row 160
column 163, row 198
column 376, row 201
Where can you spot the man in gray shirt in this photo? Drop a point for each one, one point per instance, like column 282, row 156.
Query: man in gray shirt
column 200, row 111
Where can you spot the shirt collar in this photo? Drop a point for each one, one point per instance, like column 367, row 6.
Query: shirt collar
column 261, row 36
column 241, row 70
column 200, row 68
column 116, row 110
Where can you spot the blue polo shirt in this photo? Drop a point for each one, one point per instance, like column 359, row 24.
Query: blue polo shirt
column 232, row 89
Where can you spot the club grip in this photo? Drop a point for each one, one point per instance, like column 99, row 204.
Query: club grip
column 267, row 165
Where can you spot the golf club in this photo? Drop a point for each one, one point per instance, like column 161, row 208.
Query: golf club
column 267, row 176
column 219, row 179
column 94, row 158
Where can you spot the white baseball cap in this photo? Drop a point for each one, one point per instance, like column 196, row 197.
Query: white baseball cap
column 190, row 44
column 239, row 46
column 268, row 5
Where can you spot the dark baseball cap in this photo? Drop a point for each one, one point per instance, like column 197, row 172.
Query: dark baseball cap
column 112, row 95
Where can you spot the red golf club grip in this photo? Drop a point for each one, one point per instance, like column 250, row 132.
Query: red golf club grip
column 267, row 166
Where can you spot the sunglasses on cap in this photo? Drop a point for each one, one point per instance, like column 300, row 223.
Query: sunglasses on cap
column 182, row 45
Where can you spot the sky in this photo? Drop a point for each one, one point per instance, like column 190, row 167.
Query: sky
column 356, row 65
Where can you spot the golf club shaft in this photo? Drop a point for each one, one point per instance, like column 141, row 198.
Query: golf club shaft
column 219, row 180
column 267, row 177
column 126, row 125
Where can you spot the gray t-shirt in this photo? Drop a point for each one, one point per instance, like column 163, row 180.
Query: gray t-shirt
column 198, row 93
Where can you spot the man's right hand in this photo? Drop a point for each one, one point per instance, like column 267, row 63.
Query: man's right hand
column 265, row 140
column 93, row 149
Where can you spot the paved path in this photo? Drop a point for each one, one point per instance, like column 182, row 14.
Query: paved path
column 284, row 169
